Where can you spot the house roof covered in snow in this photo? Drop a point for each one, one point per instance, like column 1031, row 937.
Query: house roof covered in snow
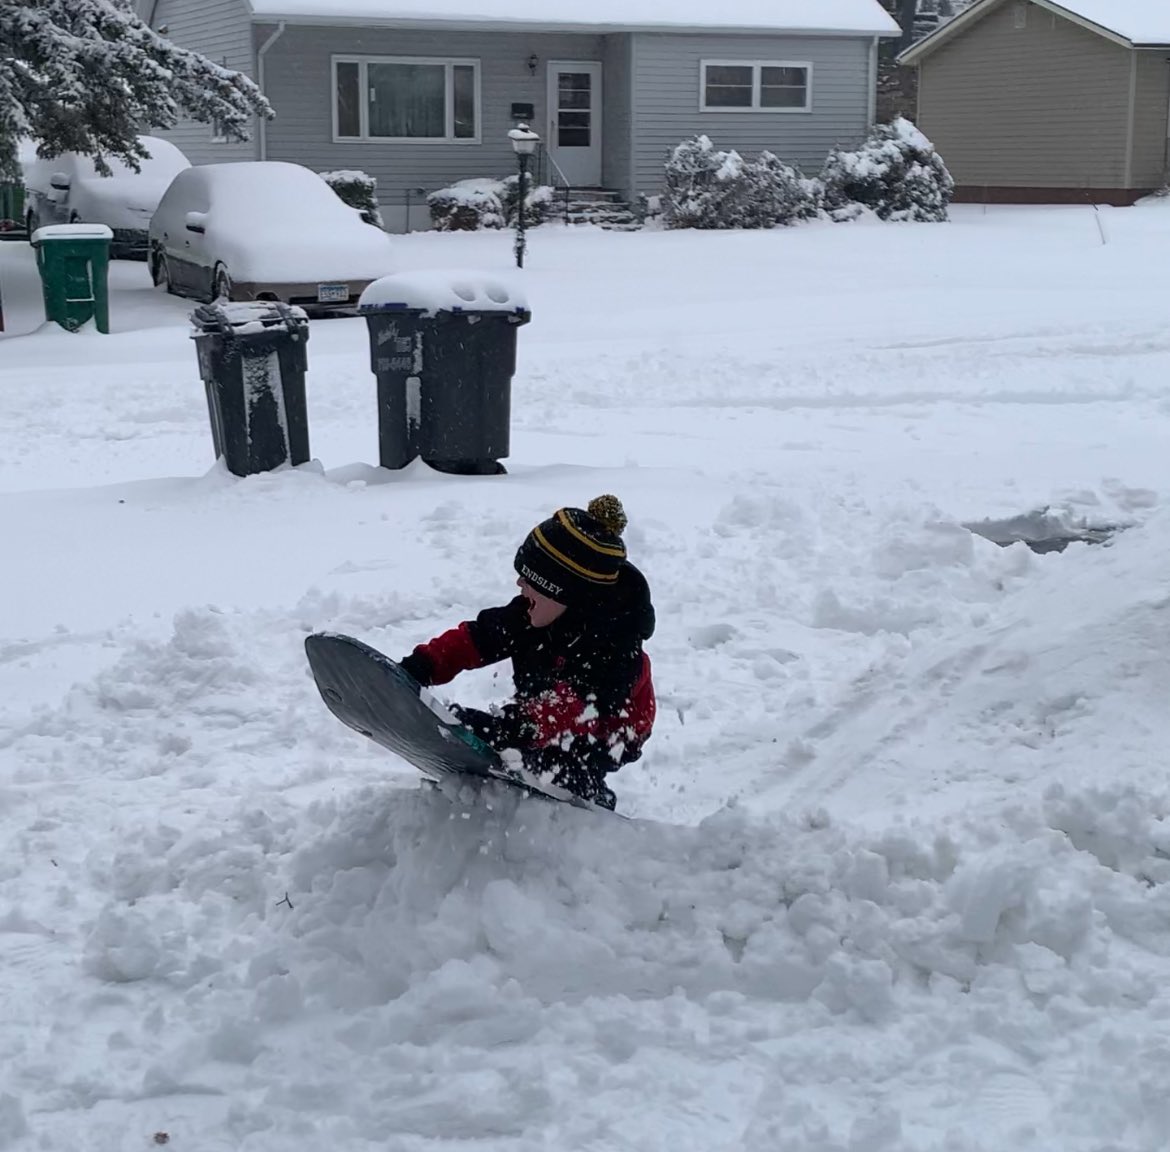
column 1131, row 23
column 803, row 17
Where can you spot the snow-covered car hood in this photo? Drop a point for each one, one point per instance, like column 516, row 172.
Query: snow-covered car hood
column 360, row 252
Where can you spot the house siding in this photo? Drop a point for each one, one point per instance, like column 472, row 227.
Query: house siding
column 1042, row 106
column 1151, row 102
column 666, row 99
column 221, row 30
column 617, row 119
column 299, row 85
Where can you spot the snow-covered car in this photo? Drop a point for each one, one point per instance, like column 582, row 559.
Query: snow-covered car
column 68, row 189
column 264, row 230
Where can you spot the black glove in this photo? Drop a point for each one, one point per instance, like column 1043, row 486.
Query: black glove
column 417, row 668
column 505, row 728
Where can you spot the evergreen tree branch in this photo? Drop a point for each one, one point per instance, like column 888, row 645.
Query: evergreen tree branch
column 88, row 75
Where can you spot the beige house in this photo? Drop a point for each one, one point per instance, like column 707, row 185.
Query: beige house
column 1043, row 101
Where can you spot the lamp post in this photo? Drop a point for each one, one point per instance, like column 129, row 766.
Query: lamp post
column 524, row 142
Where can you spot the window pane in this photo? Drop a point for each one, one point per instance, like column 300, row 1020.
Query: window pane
column 572, row 137
column 729, row 86
column 408, row 100
column 569, row 99
column 783, row 87
column 349, row 121
column 463, row 83
column 784, row 77
column 736, row 75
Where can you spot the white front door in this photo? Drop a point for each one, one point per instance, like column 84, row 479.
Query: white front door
column 574, row 129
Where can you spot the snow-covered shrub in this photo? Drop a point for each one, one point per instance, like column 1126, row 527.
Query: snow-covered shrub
column 896, row 172
column 776, row 193
column 708, row 188
column 483, row 203
column 538, row 201
column 466, row 206
column 359, row 190
column 703, row 187
column 647, row 209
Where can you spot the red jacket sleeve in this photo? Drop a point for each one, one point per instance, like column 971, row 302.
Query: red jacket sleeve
column 445, row 656
column 487, row 639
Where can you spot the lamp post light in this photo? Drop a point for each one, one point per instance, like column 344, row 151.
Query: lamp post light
column 524, row 142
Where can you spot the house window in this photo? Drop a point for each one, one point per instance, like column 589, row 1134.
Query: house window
column 755, row 86
column 405, row 98
column 1021, row 15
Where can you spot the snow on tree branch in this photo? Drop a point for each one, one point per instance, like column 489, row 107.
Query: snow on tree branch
column 88, row 76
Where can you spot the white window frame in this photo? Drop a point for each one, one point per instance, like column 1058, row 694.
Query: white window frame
column 757, row 67
column 448, row 62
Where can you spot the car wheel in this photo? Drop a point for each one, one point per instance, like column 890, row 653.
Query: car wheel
column 221, row 285
column 161, row 274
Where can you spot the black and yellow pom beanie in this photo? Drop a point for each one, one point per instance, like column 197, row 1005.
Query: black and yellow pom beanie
column 576, row 555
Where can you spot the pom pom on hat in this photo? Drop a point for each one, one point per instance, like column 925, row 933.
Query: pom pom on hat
column 607, row 510
column 576, row 555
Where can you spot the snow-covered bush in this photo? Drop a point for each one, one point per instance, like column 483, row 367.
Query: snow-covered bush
column 538, row 201
column 647, row 209
column 703, row 186
column 484, row 203
column 466, row 206
column 896, row 172
column 776, row 193
column 359, row 190
column 708, row 188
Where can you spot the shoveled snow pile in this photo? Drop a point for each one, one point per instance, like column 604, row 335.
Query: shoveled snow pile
column 268, row 959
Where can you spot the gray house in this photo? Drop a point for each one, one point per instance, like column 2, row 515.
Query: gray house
column 1049, row 100
column 422, row 93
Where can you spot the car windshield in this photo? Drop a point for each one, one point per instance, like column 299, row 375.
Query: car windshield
column 158, row 167
column 274, row 200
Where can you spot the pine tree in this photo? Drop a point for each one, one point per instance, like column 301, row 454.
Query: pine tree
column 88, row 76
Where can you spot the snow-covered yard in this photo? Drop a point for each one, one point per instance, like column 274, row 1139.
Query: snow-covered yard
column 897, row 877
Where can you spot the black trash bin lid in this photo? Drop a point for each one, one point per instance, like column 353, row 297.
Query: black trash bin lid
column 443, row 290
column 242, row 318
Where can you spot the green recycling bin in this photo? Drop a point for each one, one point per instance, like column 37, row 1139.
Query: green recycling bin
column 74, row 261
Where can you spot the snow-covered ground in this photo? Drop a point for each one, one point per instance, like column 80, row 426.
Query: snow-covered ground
column 897, row 877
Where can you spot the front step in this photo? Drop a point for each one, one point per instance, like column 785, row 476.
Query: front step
column 602, row 207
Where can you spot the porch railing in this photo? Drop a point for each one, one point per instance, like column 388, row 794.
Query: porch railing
column 549, row 172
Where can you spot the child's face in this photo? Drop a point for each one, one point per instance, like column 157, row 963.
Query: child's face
column 542, row 610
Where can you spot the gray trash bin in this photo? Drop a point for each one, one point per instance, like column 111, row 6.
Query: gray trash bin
column 443, row 350
column 252, row 359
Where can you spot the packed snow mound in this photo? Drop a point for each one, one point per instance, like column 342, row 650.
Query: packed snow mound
column 435, row 969
column 1068, row 670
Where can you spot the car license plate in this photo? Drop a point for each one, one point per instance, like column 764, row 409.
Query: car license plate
column 332, row 293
